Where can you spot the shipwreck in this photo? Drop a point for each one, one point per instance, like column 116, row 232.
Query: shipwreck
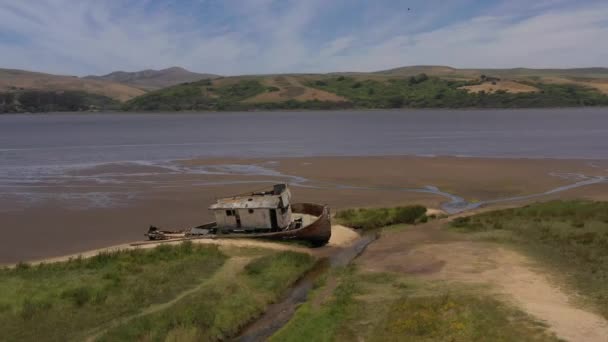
column 261, row 214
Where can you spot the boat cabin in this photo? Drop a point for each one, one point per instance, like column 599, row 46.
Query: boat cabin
column 256, row 211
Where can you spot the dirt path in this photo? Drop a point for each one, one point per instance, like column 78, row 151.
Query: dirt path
column 430, row 253
column 228, row 270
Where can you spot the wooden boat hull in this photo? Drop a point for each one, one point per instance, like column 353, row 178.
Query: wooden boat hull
column 316, row 233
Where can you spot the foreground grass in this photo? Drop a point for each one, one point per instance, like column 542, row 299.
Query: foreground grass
column 221, row 307
column 110, row 296
column 389, row 307
column 569, row 236
column 381, row 217
column 59, row 301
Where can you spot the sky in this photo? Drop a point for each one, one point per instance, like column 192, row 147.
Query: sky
column 231, row 37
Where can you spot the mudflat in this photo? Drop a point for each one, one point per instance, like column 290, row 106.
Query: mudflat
column 110, row 204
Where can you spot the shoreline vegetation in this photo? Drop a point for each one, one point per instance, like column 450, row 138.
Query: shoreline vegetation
column 318, row 93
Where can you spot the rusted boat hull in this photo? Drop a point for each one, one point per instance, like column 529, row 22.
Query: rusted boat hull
column 316, row 233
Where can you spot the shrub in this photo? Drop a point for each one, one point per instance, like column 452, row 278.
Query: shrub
column 461, row 222
column 396, row 101
column 79, row 295
column 380, row 217
column 31, row 307
column 578, row 224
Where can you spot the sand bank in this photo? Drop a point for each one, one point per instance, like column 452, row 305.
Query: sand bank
column 46, row 222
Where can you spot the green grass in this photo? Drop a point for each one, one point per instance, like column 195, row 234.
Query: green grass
column 200, row 95
column 388, row 307
column 381, row 217
column 222, row 306
column 60, row 301
column 184, row 292
column 569, row 236
column 432, row 92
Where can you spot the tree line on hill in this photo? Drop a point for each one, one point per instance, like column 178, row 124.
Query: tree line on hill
column 34, row 101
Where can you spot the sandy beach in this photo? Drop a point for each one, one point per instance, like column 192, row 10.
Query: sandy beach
column 50, row 223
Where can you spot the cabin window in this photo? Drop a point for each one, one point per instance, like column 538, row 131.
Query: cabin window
column 251, row 211
column 229, row 212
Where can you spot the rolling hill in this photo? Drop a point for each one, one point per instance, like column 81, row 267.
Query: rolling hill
column 12, row 80
column 337, row 91
column 153, row 79
column 446, row 71
column 407, row 87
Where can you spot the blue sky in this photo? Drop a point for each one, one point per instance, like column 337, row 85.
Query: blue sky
column 232, row 37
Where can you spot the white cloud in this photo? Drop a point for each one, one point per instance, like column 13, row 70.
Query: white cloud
column 554, row 39
column 336, row 46
column 266, row 36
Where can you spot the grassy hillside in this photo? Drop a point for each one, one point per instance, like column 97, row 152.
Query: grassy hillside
column 408, row 87
column 221, row 94
column 361, row 91
column 445, row 71
column 201, row 95
column 422, row 91
column 19, row 80
column 153, row 79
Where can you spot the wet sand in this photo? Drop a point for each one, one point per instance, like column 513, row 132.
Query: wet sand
column 45, row 225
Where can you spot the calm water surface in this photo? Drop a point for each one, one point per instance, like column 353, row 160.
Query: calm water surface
column 71, row 139
column 56, row 156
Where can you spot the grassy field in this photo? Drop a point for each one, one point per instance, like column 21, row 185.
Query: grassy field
column 571, row 237
column 158, row 293
column 381, row 217
column 356, row 305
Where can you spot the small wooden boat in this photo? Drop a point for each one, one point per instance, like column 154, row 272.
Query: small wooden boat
column 155, row 233
column 260, row 215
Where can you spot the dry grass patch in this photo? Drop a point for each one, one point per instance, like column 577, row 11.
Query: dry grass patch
column 599, row 84
column 508, row 86
column 10, row 79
